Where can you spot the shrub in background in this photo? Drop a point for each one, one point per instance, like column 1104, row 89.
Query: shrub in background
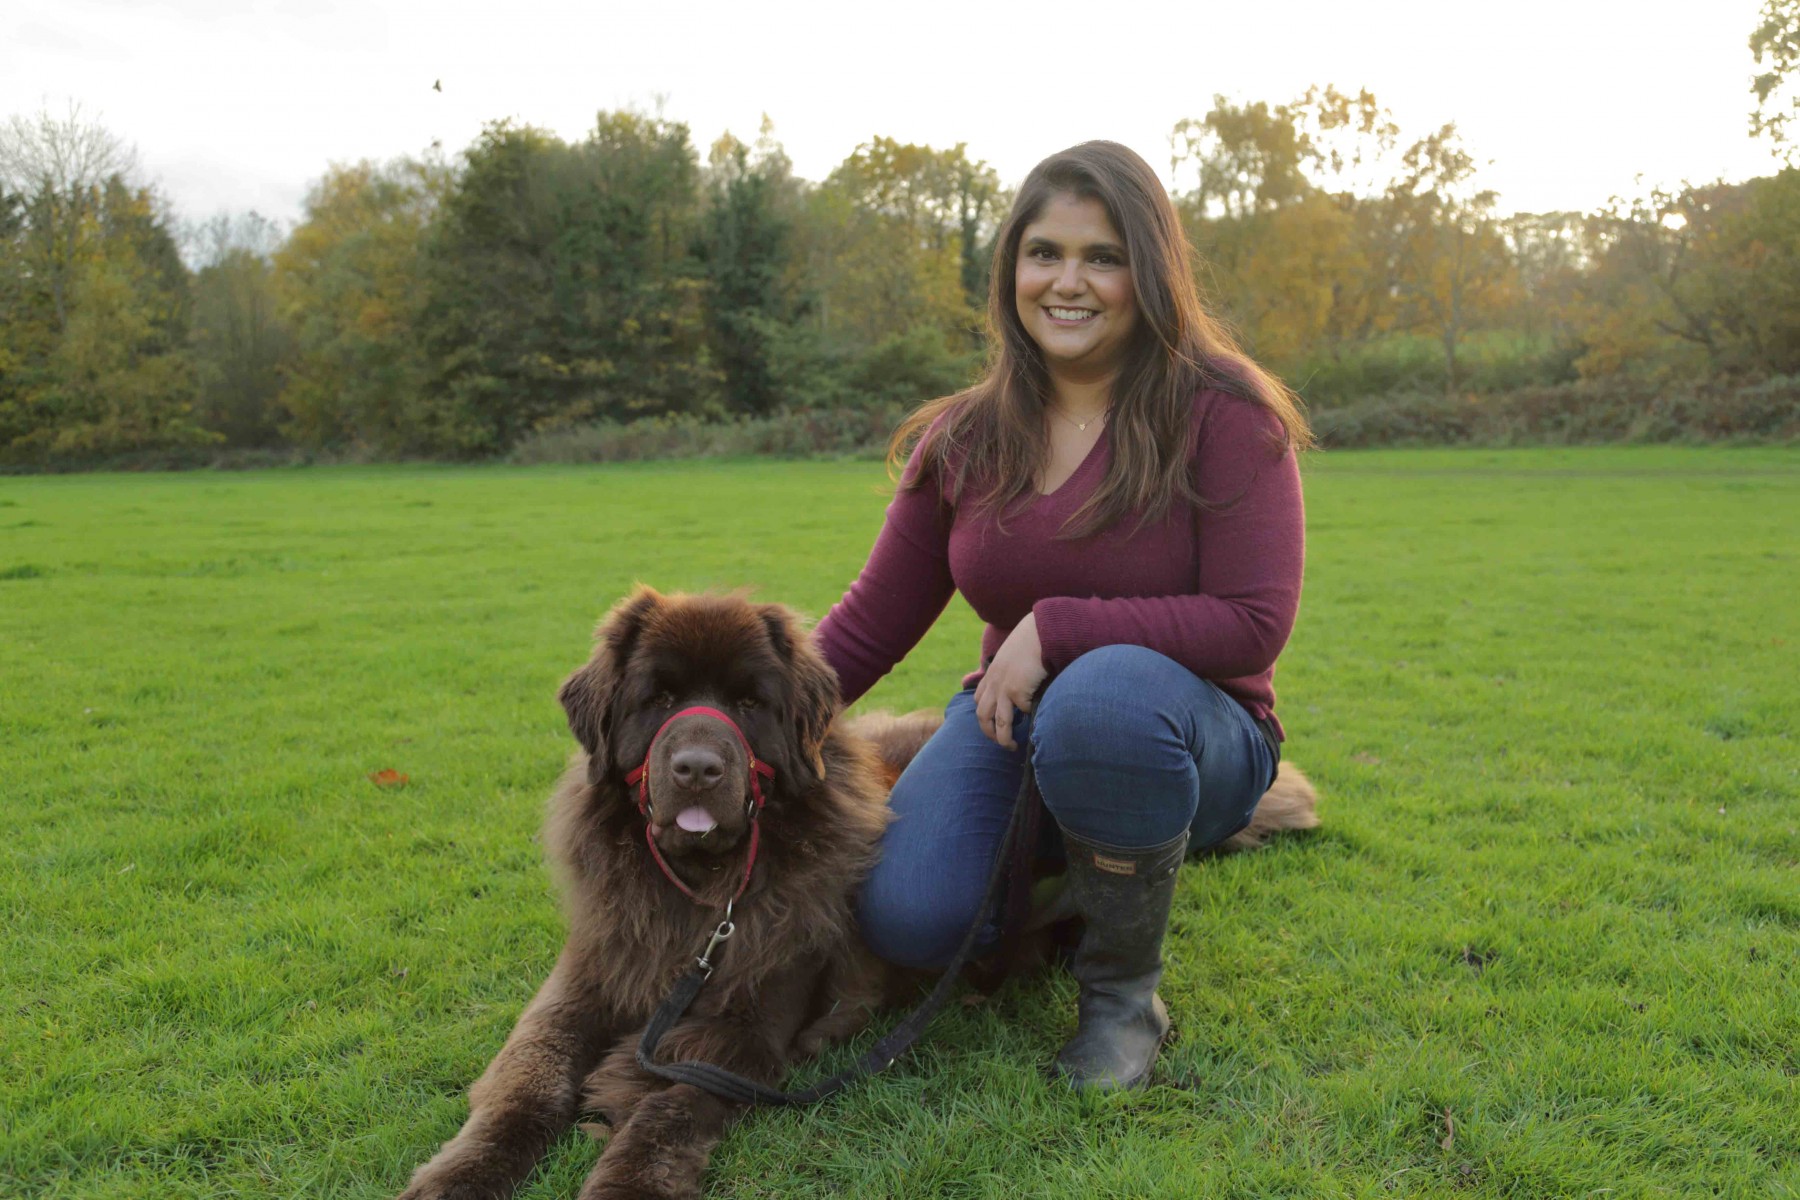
column 1606, row 410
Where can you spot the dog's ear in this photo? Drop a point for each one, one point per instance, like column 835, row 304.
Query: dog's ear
column 812, row 701
column 589, row 694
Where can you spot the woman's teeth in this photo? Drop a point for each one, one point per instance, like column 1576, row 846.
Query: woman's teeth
column 1070, row 314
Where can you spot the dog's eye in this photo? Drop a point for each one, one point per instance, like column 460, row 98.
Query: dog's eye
column 662, row 700
column 748, row 703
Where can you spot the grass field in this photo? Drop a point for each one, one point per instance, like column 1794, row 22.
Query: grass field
column 1547, row 942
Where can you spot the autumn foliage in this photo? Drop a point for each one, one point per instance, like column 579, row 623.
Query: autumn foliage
column 536, row 287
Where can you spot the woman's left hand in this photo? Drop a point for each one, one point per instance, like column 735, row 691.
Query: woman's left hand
column 1010, row 681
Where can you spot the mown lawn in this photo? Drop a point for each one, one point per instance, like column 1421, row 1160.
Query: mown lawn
column 1547, row 942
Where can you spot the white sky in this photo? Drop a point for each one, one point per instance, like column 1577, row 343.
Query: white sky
column 238, row 104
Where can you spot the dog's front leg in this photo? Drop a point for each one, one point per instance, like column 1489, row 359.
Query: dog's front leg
column 661, row 1150
column 528, row 1094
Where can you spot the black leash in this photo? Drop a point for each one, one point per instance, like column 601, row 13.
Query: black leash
column 729, row 1086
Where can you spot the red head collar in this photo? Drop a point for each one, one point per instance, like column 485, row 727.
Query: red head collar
column 759, row 770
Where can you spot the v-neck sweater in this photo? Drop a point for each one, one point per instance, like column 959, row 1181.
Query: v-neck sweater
column 1216, row 588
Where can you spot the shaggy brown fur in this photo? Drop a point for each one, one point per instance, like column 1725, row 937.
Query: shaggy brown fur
column 791, row 978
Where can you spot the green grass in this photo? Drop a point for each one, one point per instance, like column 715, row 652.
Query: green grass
column 1550, row 698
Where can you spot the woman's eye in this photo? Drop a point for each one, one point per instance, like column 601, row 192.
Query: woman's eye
column 1043, row 255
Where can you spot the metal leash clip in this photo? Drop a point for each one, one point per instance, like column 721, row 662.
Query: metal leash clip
column 724, row 930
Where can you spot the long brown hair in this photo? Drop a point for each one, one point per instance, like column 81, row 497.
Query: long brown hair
column 992, row 435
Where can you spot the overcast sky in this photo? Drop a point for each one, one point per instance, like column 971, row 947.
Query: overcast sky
column 239, row 104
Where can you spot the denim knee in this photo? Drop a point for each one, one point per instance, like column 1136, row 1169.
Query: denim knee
column 1110, row 750
column 1113, row 706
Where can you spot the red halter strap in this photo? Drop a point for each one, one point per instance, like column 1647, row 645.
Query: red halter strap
column 759, row 770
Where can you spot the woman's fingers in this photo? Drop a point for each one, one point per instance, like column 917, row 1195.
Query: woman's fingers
column 995, row 703
column 1003, row 720
column 984, row 709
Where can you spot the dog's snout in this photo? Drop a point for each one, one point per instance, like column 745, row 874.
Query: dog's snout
column 697, row 768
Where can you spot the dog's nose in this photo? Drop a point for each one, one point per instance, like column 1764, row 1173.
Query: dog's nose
column 697, row 768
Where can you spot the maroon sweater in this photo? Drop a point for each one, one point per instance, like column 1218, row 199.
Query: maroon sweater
column 1216, row 589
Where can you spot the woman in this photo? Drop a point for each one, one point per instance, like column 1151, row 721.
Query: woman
column 1118, row 499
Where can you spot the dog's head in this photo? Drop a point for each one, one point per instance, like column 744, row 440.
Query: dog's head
column 656, row 655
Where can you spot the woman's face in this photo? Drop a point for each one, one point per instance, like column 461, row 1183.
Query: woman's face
column 1074, row 288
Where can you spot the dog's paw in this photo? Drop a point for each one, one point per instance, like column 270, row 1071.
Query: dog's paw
column 617, row 1189
column 439, row 1190
column 433, row 1182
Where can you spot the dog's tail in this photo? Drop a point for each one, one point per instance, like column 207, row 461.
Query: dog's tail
column 1290, row 803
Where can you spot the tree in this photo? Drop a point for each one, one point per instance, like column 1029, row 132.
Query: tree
column 1246, row 159
column 746, row 241
column 1776, row 42
column 347, row 283
column 1701, row 280
column 1549, row 255
column 880, row 248
column 1452, row 270
column 120, row 377
column 60, row 165
column 945, row 206
column 239, row 338
column 93, row 351
column 562, row 285
column 1278, row 215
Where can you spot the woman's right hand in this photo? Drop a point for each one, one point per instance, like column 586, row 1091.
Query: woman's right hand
column 1010, row 682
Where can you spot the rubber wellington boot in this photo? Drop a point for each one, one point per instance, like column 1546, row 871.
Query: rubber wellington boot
column 1123, row 898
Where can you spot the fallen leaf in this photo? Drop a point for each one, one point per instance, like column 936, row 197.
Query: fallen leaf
column 1449, row 1131
column 1366, row 759
column 974, row 1000
column 387, row 778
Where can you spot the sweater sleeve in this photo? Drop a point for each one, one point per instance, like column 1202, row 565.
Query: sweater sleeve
column 898, row 595
column 1251, row 535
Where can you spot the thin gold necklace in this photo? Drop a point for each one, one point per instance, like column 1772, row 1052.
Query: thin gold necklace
column 1081, row 425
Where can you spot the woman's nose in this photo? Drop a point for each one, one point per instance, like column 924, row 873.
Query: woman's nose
column 1068, row 280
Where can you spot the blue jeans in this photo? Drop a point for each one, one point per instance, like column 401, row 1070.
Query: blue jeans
column 1129, row 748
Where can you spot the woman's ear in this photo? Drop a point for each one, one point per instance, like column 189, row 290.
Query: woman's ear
column 589, row 694
column 812, row 686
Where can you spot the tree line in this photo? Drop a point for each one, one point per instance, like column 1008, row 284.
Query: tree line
column 451, row 308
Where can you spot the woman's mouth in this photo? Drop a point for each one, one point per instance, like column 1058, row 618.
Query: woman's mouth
column 1070, row 316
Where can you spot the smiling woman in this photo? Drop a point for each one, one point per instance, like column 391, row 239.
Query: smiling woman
column 1119, row 500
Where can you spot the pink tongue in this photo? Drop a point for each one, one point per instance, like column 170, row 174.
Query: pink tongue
column 695, row 819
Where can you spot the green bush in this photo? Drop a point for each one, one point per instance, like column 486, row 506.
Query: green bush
column 1610, row 410
column 903, row 369
column 1413, row 363
column 845, row 431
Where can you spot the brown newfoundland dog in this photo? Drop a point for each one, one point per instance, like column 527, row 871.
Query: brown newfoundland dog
column 710, row 771
column 630, row 846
